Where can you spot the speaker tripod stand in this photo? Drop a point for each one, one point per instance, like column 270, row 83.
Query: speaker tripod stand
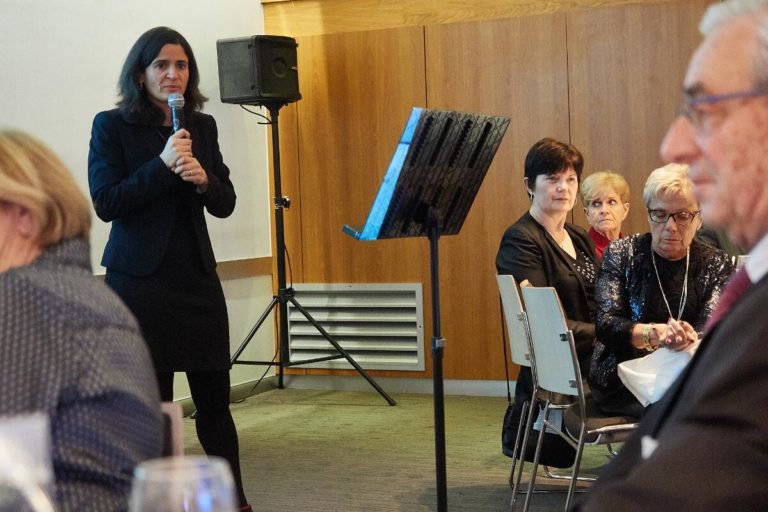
column 285, row 294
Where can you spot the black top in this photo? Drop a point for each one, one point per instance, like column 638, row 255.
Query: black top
column 527, row 251
column 132, row 188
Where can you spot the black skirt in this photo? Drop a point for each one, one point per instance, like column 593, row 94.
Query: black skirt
column 183, row 318
column 180, row 307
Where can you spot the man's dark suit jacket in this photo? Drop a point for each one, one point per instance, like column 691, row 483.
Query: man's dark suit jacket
column 131, row 187
column 528, row 252
column 711, row 428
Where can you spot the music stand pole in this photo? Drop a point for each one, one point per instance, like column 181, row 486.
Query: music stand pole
column 438, row 347
column 286, row 293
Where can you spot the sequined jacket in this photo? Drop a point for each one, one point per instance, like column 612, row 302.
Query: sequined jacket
column 627, row 293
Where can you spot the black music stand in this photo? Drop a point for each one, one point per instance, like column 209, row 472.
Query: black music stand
column 432, row 180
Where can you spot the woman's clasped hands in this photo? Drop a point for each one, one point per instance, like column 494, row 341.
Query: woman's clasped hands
column 177, row 155
column 679, row 335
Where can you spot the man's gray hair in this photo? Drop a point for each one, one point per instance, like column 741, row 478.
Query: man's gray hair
column 720, row 13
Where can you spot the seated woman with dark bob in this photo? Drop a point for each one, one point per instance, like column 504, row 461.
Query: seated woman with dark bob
column 545, row 250
column 654, row 290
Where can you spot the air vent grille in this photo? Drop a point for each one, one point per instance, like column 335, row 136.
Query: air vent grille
column 380, row 325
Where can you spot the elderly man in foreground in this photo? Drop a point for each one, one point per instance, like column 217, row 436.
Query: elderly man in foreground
column 704, row 446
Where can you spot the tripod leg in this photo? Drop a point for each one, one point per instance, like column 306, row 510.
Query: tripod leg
column 341, row 351
column 255, row 328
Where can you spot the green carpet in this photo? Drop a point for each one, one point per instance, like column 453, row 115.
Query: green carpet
column 307, row 450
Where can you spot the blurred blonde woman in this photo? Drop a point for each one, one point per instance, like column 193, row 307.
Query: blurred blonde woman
column 605, row 197
column 69, row 348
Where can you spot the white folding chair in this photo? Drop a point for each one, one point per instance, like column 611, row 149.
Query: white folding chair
column 521, row 354
column 557, row 371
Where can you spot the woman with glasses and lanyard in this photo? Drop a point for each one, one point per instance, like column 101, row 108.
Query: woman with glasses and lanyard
column 654, row 290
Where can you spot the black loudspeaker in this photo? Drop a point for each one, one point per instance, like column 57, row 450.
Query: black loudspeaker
column 258, row 69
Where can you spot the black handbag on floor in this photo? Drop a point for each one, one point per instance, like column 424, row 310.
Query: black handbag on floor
column 555, row 451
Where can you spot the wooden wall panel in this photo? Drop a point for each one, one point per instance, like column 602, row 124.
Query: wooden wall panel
column 606, row 79
column 358, row 90
column 312, row 17
column 515, row 68
column 626, row 67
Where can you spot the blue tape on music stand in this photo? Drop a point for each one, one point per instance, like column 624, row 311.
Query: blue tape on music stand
column 380, row 205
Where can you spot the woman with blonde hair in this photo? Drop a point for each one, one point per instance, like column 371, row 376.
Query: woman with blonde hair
column 70, row 348
column 605, row 197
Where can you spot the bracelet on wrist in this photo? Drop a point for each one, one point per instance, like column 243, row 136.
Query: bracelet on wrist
column 647, row 338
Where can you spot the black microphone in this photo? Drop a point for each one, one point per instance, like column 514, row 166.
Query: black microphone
column 176, row 102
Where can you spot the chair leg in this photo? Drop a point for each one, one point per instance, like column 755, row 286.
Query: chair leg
column 528, row 422
column 518, row 437
column 555, row 476
column 535, row 464
column 576, row 466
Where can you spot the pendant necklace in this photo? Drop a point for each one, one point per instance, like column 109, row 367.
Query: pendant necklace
column 564, row 243
column 684, row 294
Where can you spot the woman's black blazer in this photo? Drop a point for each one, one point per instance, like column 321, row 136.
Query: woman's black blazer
column 131, row 187
column 528, row 252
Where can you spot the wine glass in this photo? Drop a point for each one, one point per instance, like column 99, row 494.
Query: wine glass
column 183, row 484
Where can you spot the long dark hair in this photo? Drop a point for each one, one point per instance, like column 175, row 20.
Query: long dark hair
column 134, row 102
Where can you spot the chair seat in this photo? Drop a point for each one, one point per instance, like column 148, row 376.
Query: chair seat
column 597, row 423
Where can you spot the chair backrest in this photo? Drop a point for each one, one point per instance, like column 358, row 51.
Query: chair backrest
column 553, row 347
column 514, row 315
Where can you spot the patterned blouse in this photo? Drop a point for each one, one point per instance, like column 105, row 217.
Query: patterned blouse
column 71, row 350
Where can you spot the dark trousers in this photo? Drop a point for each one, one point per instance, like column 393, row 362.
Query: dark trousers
column 213, row 421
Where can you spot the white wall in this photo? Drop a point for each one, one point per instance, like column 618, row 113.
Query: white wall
column 60, row 61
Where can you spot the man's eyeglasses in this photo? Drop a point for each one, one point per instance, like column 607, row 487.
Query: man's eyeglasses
column 690, row 107
column 682, row 218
